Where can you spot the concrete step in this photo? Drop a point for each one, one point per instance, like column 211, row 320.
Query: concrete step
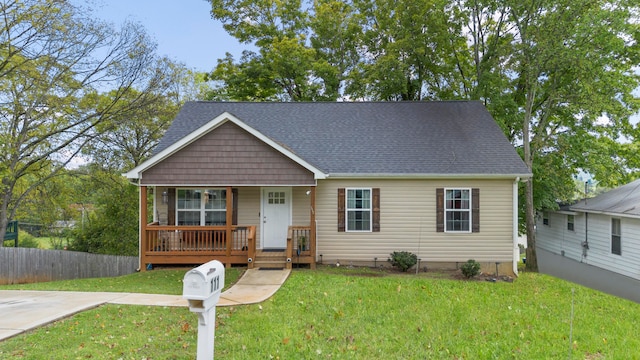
column 270, row 264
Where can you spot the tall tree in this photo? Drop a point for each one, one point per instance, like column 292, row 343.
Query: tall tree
column 558, row 76
column 55, row 61
column 304, row 50
column 574, row 67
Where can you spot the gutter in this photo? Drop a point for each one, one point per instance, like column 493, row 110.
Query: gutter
column 517, row 177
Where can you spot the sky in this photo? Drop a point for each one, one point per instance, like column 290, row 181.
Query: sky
column 183, row 29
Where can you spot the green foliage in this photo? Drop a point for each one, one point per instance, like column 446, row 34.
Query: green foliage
column 403, row 260
column 25, row 240
column 113, row 227
column 470, row 269
column 64, row 76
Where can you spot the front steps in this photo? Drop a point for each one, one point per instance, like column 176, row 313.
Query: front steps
column 272, row 259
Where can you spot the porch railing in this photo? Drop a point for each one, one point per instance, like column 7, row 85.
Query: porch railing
column 212, row 241
column 299, row 244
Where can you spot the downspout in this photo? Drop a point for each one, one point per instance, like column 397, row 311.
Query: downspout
column 585, row 244
column 143, row 225
column 516, row 249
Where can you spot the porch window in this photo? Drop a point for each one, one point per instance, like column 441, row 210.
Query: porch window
column 201, row 207
column 358, row 209
column 616, row 237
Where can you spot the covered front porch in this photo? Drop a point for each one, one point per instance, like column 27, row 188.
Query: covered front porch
column 235, row 239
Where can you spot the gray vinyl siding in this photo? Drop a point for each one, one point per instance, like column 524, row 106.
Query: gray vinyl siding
column 228, row 155
column 408, row 223
column 555, row 238
column 301, row 211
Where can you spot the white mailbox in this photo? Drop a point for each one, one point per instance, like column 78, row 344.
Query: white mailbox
column 202, row 287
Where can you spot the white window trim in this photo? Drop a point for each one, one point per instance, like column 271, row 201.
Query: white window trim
column 612, row 235
column 469, row 210
column 347, row 209
column 573, row 223
column 203, row 210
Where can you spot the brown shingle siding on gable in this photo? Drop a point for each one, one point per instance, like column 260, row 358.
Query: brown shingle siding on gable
column 228, row 155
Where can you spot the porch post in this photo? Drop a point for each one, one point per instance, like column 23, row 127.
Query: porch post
column 312, row 231
column 142, row 243
column 229, row 236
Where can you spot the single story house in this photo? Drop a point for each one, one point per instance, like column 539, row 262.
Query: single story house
column 603, row 231
column 267, row 184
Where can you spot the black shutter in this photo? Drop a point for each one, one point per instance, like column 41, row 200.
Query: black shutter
column 440, row 210
column 376, row 210
column 234, row 193
column 341, row 204
column 475, row 210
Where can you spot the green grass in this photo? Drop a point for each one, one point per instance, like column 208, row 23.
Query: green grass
column 359, row 314
column 165, row 281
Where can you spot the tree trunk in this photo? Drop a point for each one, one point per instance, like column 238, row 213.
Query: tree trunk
column 532, row 257
column 4, row 221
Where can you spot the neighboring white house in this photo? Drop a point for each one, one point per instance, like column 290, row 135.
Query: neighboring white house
column 603, row 231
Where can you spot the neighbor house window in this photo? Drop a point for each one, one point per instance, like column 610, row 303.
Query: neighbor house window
column 545, row 218
column 570, row 222
column 358, row 209
column 616, row 237
column 201, row 207
column 457, row 208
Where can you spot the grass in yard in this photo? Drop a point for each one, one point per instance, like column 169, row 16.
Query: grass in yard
column 362, row 314
column 161, row 281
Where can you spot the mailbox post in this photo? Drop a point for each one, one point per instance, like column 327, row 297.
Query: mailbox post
column 201, row 287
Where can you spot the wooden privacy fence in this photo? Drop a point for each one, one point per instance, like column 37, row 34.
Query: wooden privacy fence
column 26, row 265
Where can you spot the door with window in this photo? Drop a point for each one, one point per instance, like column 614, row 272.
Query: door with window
column 276, row 217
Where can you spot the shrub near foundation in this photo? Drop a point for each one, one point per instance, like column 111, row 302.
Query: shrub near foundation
column 470, row 269
column 403, row 260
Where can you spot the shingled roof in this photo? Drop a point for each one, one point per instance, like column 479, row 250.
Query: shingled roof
column 624, row 200
column 371, row 138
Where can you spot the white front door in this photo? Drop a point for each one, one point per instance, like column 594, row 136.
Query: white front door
column 276, row 217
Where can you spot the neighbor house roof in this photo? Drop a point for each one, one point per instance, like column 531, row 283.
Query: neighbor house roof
column 369, row 138
column 624, row 200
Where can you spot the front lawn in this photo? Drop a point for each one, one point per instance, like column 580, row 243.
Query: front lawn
column 354, row 314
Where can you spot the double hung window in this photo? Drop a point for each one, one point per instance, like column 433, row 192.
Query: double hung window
column 616, row 237
column 457, row 210
column 201, row 207
column 571, row 222
column 358, row 209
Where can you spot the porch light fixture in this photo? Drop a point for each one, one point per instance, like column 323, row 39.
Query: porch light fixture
column 165, row 197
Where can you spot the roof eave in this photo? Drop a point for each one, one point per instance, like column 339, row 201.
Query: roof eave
column 607, row 213
column 518, row 177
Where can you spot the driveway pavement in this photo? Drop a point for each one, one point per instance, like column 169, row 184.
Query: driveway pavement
column 588, row 275
column 22, row 310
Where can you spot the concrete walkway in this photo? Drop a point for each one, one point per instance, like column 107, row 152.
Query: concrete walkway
column 23, row 310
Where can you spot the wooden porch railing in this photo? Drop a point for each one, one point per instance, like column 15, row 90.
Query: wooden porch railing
column 163, row 244
column 301, row 245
